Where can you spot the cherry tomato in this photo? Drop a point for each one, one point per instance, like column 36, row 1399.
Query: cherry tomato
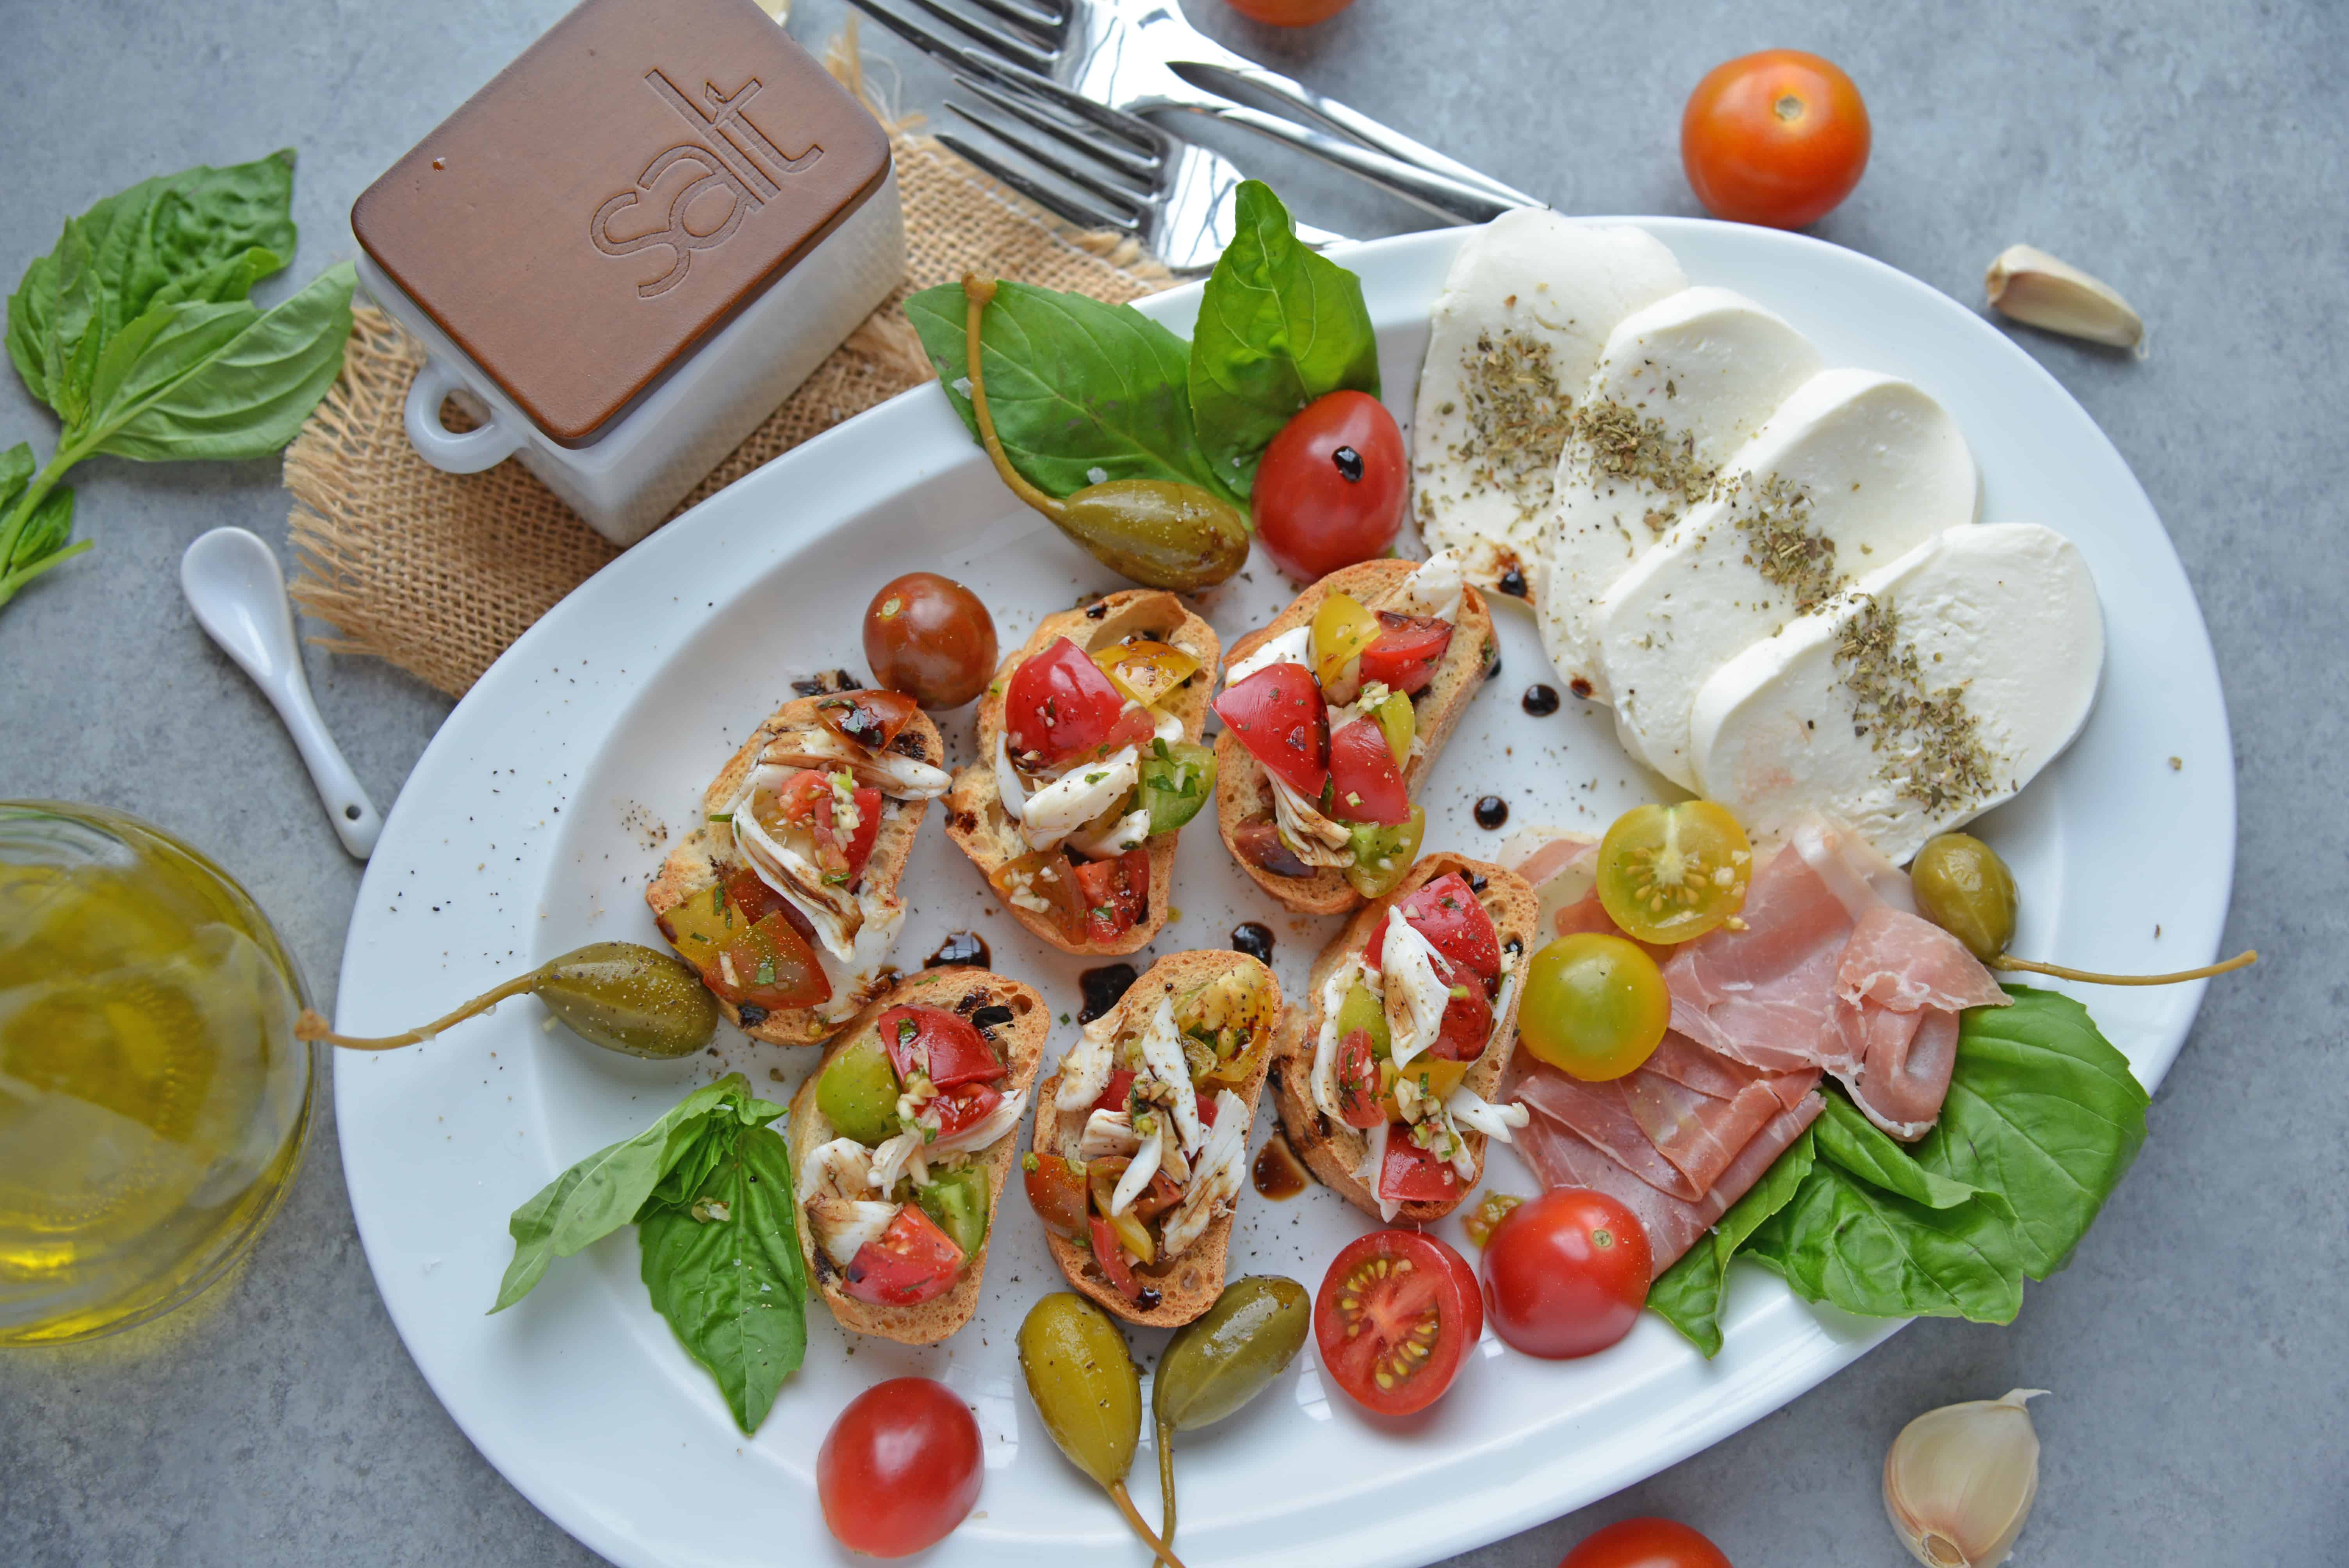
column 870, row 719
column 804, row 804
column 1115, row 895
column 1566, row 1273
column 914, row 1262
column 943, row 1047
column 1467, row 1022
column 1289, row 13
column 1410, row 1174
column 744, row 939
column 1670, row 873
column 929, row 637
column 1362, row 771
column 1595, row 1007
column 900, row 1467
column 1446, row 913
column 1055, row 1191
column 1394, row 1319
column 1407, row 651
column 1278, row 715
column 1777, row 137
column 1060, row 705
column 966, row 1106
column 1329, row 491
column 1646, row 1543
column 1045, row 874
column 1121, row 1085
column 1357, row 1081
column 1110, row 1254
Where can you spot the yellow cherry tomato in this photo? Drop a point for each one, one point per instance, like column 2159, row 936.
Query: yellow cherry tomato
column 1670, row 873
column 1342, row 628
column 1595, row 1007
column 1146, row 670
column 1399, row 721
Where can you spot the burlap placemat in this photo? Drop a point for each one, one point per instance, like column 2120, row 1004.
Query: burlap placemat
column 439, row 573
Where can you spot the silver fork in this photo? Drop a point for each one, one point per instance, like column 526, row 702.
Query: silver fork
column 1115, row 54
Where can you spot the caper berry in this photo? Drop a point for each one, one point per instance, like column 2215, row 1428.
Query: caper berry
column 1084, row 1386
column 617, row 995
column 1965, row 889
column 1221, row 1360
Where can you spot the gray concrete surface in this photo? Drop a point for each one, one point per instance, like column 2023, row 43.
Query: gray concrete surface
column 2190, row 152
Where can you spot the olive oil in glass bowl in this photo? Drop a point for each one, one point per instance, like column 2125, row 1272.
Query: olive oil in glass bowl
column 153, row 1100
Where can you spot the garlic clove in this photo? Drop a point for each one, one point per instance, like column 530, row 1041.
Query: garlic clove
column 1959, row 1481
column 2027, row 283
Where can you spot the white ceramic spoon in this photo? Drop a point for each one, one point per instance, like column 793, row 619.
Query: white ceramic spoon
column 234, row 584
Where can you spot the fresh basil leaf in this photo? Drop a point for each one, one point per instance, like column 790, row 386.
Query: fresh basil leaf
column 605, row 1190
column 1688, row 1296
column 734, row 1289
column 45, row 533
column 2043, row 1110
column 1848, row 1243
column 70, row 352
column 140, row 362
column 228, row 279
column 1867, row 1152
column 32, row 322
column 1082, row 392
column 1279, row 326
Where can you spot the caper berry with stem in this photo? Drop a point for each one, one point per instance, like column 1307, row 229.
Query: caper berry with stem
column 1083, row 1383
column 1221, row 1360
column 620, row 995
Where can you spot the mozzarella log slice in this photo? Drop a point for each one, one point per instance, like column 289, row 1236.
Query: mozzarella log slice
column 1852, row 470
column 2004, row 614
column 1513, row 339
column 1691, row 379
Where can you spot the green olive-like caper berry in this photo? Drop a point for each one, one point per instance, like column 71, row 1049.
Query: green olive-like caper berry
column 1965, row 889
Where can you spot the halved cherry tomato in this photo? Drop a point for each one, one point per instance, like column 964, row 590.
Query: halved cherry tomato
column 1467, row 1023
column 857, row 845
column 1259, row 843
column 1330, row 490
column 1055, row 1191
column 1446, row 913
column 1047, row 876
column 1112, row 1259
column 1408, row 649
column 1646, row 1543
column 1363, row 771
column 1776, row 138
column 1060, row 705
column 1133, row 727
column 1278, row 715
column 773, row 966
column 870, row 719
column 943, row 1047
column 914, row 1262
column 1115, row 893
column 900, row 1467
column 1146, row 669
column 1566, row 1273
column 805, row 804
column 1434, row 1079
column 1410, row 1174
column 1113, row 1097
column 1342, row 628
column 1289, row 13
column 965, row 1107
column 1670, row 873
column 1357, row 1081
column 1394, row 1319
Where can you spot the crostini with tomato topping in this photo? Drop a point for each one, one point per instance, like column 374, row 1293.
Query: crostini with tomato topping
column 1386, row 1073
column 903, row 1140
column 1332, row 716
column 785, row 899
column 1089, row 763
column 1142, row 1133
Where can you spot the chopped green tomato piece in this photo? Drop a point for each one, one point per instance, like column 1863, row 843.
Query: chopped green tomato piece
column 1178, row 778
column 858, row 1092
column 957, row 1201
column 1396, row 716
column 1361, row 1010
column 1382, row 856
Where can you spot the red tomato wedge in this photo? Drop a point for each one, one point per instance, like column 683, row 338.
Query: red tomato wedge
column 1111, row 1260
column 1278, row 715
column 1357, row 1081
column 1408, row 650
column 942, row 1045
column 1045, row 874
column 1055, row 1191
column 870, row 719
column 855, row 846
column 1410, row 1174
column 1446, row 913
column 1467, row 1020
column 914, row 1262
column 1363, row 771
column 1115, row 895
column 1120, row 1083
column 965, row 1107
column 1394, row 1320
column 1060, row 705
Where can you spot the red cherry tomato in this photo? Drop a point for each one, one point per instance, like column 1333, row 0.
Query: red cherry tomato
column 1289, row 13
column 870, row 719
column 942, row 1045
column 1280, row 716
column 1566, row 1273
column 966, row 1106
column 1646, row 1543
column 1112, row 1259
column 913, row 1262
column 1777, row 137
column 1060, row 705
column 1057, row 1191
column 900, row 1467
column 929, row 637
column 1446, row 913
column 1467, row 1020
column 1113, row 1097
column 1115, row 895
column 1394, row 1319
column 1362, row 769
column 1407, row 651
column 1410, row 1174
column 1329, row 491
column 1357, row 1081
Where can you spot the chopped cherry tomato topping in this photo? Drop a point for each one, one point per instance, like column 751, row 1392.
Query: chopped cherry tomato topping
column 870, row 719
column 1362, row 772
column 1446, row 913
column 1060, row 705
column 1055, row 1191
column 749, row 945
column 1259, row 844
column 1121, row 1085
column 1412, row 1175
column 1111, row 1260
column 1409, row 648
column 914, row 1262
column 1278, row 715
column 966, row 1106
column 1116, row 894
column 1134, row 728
column 1467, row 1020
column 1357, row 1081
column 1044, row 876
column 941, row 1046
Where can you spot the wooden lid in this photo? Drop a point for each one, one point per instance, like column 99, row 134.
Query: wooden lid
column 615, row 195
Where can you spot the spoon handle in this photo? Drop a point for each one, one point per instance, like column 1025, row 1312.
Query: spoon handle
column 353, row 817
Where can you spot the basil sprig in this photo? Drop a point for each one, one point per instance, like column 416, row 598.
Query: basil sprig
column 137, row 331
column 2042, row 1121
column 709, row 1188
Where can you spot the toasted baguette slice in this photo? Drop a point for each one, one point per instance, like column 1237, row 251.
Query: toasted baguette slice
column 693, row 865
column 1332, row 1149
column 1020, row 1043
column 1242, row 793
column 975, row 816
column 1192, row 1281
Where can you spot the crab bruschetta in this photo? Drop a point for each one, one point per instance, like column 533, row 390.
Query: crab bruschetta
column 905, row 1136
column 785, row 899
column 1332, row 716
column 1386, row 1075
column 1090, row 762
column 1141, row 1147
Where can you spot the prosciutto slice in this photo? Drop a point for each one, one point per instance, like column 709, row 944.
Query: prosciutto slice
column 1899, row 991
column 1677, row 1122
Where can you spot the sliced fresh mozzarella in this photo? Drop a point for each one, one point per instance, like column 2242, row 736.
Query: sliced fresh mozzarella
column 1681, row 386
column 1077, row 797
column 1513, row 339
column 1316, row 839
column 1415, row 997
column 1372, row 1165
column 1852, row 470
column 1129, row 831
column 843, row 1225
column 1216, row 1180
column 2006, row 639
column 1291, row 647
column 1166, row 727
column 1434, row 590
column 892, row 773
column 1137, row 1174
column 1474, row 1111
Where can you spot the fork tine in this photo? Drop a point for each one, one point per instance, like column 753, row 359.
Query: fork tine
column 1051, row 18
column 1075, row 173
column 1143, row 169
column 1137, row 132
column 936, row 45
column 1057, row 202
column 1002, row 40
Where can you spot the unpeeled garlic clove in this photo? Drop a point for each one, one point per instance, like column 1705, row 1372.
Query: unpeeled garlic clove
column 1959, row 1481
column 2027, row 283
